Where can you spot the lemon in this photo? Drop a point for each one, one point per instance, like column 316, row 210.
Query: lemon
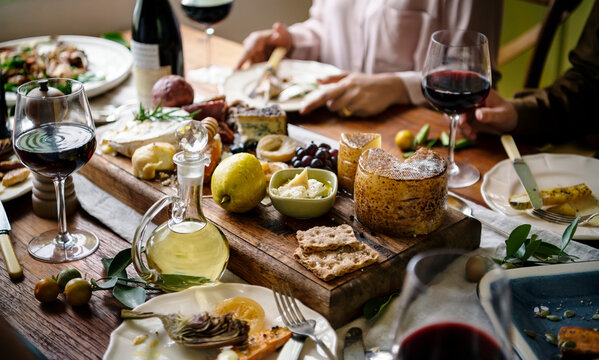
column 238, row 183
column 244, row 309
column 404, row 139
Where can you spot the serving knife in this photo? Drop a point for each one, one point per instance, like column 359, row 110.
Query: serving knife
column 292, row 348
column 12, row 263
column 271, row 68
column 523, row 171
column 353, row 347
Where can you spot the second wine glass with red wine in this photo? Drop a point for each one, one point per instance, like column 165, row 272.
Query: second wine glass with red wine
column 442, row 318
column 456, row 80
column 53, row 135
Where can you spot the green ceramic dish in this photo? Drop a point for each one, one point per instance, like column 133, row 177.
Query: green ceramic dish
column 303, row 208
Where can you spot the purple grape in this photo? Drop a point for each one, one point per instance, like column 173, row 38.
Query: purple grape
column 334, row 161
column 317, row 163
column 297, row 164
column 295, row 158
column 298, row 149
column 323, row 154
column 311, row 149
column 334, row 153
column 306, row 160
column 328, row 164
column 300, row 154
column 325, row 146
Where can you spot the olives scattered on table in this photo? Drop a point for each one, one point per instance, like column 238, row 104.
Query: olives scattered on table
column 316, row 156
column 76, row 289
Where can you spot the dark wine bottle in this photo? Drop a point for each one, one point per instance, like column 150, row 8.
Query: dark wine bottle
column 155, row 44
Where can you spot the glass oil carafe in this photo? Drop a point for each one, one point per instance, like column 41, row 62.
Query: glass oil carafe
column 187, row 249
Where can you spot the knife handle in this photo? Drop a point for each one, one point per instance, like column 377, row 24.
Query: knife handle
column 275, row 58
column 510, row 147
column 12, row 263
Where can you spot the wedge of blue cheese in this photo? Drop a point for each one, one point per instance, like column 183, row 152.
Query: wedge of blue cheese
column 255, row 123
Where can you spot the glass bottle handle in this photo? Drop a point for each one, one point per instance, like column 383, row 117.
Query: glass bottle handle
column 139, row 239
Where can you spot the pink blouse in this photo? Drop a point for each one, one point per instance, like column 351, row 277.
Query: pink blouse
column 375, row 36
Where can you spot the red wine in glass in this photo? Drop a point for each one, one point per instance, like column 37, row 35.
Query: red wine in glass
column 207, row 12
column 450, row 341
column 454, row 92
column 56, row 150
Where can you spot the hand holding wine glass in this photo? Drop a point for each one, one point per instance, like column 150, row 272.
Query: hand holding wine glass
column 456, row 80
column 53, row 135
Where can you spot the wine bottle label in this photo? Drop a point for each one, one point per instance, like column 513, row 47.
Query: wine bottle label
column 146, row 69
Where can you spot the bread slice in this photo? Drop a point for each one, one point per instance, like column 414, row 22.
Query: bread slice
column 332, row 263
column 578, row 342
column 321, row 238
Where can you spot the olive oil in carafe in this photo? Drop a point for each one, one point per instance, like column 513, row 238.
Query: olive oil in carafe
column 189, row 248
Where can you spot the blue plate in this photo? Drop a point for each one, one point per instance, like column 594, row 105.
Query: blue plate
column 561, row 287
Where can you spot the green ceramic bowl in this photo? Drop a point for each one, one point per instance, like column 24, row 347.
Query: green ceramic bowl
column 303, row 208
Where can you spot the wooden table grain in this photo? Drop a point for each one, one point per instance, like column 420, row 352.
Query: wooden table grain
column 60, row 331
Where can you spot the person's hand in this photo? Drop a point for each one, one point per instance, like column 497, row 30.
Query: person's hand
column 358, row 94
column 497, row 117
column 259, row 45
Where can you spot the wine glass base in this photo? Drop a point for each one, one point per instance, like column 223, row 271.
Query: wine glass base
column 47, row 248
column 466, row 176
column 212, row 74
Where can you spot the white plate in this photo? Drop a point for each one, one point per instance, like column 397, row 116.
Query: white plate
column 106, row 59
column 239, row 84
column 195, row 300
column 549, row 170
column 13, row 192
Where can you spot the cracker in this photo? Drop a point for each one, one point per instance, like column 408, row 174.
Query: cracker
column 332, row 263
column 321, row 238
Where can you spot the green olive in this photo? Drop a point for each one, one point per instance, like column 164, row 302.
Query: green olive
column 46, row 290
column 65, row 275
column 476, row 267
column 78, row 292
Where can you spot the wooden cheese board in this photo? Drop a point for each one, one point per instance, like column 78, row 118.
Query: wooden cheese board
column 262, row 242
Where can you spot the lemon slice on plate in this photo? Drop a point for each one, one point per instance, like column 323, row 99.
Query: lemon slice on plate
column 245, row 309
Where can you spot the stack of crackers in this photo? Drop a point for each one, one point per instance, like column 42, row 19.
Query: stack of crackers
column 332, row 251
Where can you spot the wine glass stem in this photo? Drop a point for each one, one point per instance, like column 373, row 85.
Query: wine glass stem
column 209, row 31
column 453, row 126
column 62, row 237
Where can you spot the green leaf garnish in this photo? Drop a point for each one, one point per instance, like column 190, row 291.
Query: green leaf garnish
column 116, row 37
column 119, row 263
column 568, row 234
column 160, row 114
column 129, row 296
column 374, row 307
column 516, row 240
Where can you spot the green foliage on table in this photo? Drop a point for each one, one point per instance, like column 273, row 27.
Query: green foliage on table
column 374, row 307
column 519, row 248
column 116, row 37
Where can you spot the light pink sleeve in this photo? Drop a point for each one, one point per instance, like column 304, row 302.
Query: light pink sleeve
column 306, row 36
column 412, row 81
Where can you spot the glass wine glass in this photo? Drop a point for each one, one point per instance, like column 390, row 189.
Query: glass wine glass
column 456, row 80
column 208, row 13
column 441, row 316
column 53, row 135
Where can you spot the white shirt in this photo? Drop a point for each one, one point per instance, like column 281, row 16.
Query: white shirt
column 376, row 36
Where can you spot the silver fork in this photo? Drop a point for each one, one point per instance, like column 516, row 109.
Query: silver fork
column 562, row 219
column 293, row 318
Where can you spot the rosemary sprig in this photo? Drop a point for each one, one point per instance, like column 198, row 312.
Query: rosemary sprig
column 160, row 114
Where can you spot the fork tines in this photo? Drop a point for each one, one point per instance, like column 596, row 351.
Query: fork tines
column 552, row 217
column 287, row 306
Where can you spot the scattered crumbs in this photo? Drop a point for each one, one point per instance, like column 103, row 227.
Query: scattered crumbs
column 139, row 339
column 530, row 333
column 551, row 338
column 553, row 318
column 595, row 317
column 582, row 301
column 544, row 308
column 558, row 308
column 536, row 309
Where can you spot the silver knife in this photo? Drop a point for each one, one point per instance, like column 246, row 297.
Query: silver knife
column 12, row 263
column 523, row 172
column 271, row 68
column 353, row 347
column 293, row 348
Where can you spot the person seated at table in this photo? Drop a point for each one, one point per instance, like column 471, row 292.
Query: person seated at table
column 380, row 45
column 564, row 111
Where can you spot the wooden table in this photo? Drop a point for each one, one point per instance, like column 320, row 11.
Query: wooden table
column 63, row 332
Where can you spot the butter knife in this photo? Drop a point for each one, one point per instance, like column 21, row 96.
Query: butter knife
column 271, row 68
column 12, row 263
column 523, row 171
column 353, row 347
column 293, row 348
